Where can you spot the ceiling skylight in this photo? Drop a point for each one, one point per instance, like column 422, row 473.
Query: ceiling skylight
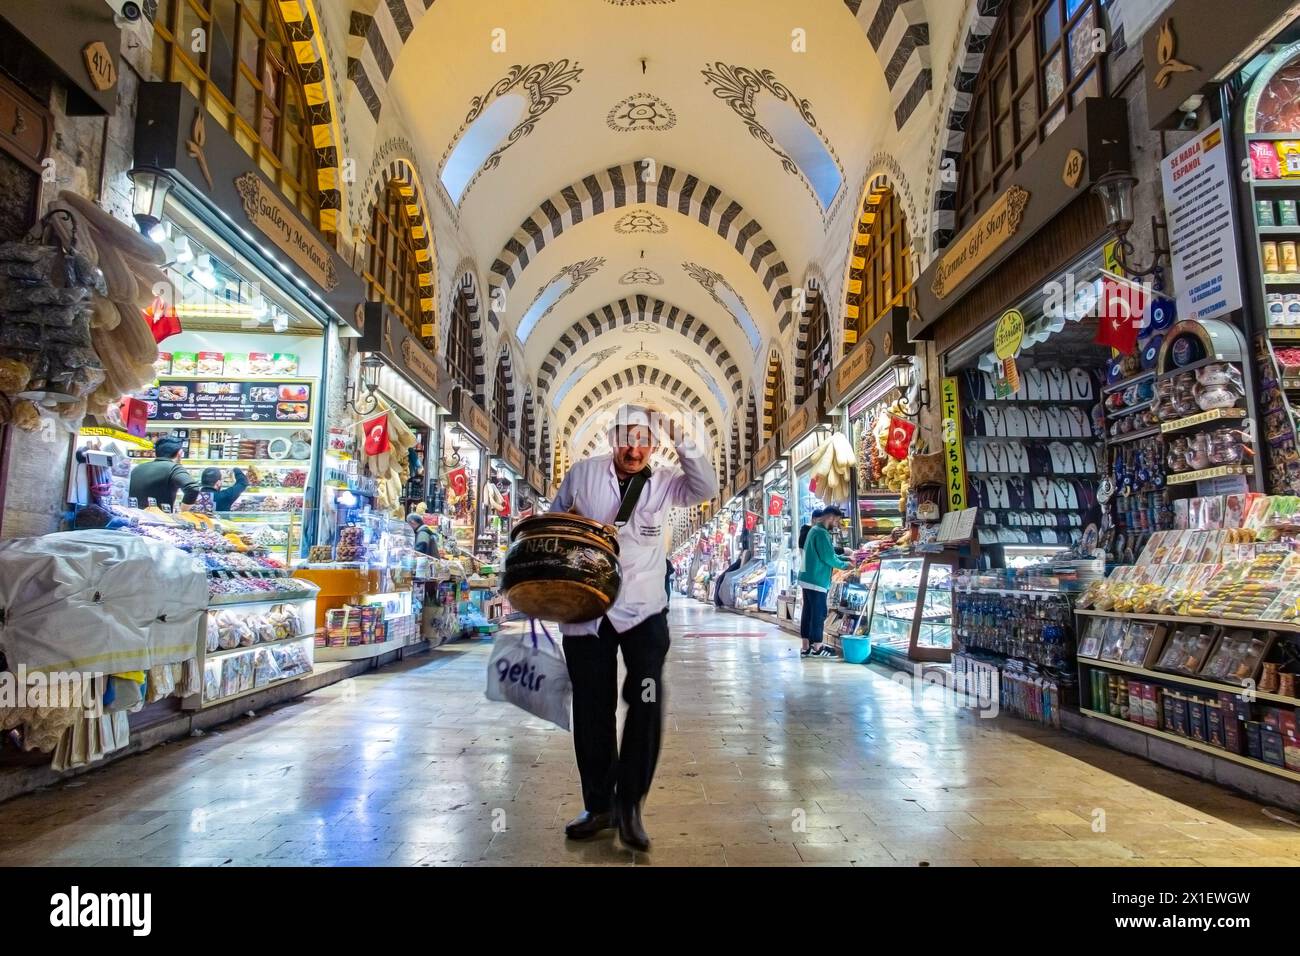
column 803, row 145
column 483, row 136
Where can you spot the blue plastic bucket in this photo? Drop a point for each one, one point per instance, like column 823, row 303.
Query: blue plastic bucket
column 856, row 649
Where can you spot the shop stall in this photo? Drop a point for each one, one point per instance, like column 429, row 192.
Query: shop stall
column 866, row 393
column 466, row 438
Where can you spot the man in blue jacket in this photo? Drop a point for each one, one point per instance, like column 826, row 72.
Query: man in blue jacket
column 819, row 558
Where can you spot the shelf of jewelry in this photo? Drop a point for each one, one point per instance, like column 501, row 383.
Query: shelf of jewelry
column 1033, row 458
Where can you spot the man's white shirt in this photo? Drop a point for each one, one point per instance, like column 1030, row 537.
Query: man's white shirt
column 591, row 490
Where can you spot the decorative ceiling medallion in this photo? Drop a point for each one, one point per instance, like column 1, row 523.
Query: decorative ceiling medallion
column 643, row 328
column 641, row 355
column 641, row 112
column 542, row 83
column 738, row 85
column 641, row 277
column 641, row 221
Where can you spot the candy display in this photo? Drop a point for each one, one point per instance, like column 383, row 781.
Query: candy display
column 351, row 545
column 230, row 628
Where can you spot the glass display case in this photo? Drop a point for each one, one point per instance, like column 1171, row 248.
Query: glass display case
column 911, row 607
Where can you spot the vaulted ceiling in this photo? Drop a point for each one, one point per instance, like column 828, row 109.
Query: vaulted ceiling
column 648, row 180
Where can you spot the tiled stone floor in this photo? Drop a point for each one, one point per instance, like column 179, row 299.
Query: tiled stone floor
column 768, row 760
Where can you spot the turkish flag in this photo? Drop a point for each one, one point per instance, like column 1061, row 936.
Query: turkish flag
column 458, row 482
column 751, row 519
column 717, row 537
column 812, row 484
column 1120, row 312
column 775, row 506
column 163, row 320
column 900, row 437
column 376, row 432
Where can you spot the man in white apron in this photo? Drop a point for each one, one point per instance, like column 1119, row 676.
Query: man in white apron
column 619, row 489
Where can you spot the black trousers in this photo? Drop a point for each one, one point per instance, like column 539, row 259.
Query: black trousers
column 812, row 621
column 606, row 768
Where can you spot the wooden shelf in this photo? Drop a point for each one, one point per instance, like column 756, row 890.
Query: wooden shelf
column 252, row 462
column 1125, row 383
column 226, row 652
column 1202, row 418
column 1253, row 624
column 1194, row 744
column 1206, row 474
column 1133, row 436
column 1284, row 334
column 253, row 379
column 1189, row 681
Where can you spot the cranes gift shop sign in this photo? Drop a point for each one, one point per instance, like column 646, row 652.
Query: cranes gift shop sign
column 269, row 213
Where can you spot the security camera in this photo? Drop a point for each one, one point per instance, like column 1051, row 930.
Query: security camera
column 126, row 11
column 1190, row 108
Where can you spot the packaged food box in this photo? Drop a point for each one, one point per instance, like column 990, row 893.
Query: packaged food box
column 1151, row 705
column 1180, row 723
column 1264, row 213
column 1135, row 701
column 236, row 363
column 164, row 364
column 1255, row 739
column 1196, row 721
column 1286, row 213
column 1273, row 719
column 185, row 363
column 211, row 363
column 1214, row 723
column 1272, row 749
column 283, row 363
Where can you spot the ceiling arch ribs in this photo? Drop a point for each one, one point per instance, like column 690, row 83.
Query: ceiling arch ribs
column 618, row 187
column 635, row 377
column 625, row 312
column 899, row 32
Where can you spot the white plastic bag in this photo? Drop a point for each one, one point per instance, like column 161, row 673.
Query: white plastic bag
column 531, row 674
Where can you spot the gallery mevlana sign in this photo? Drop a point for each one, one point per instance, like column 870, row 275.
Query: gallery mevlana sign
column 998, row 224
column 282, row 226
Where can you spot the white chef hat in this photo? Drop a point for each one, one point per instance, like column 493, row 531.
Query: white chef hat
column 632, row 416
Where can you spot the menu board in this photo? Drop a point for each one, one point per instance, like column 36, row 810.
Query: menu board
column 224, row 401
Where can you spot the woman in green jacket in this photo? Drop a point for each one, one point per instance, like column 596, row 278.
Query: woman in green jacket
column 819, row 558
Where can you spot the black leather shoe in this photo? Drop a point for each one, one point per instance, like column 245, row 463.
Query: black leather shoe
column 587, row 825
column 631, row 830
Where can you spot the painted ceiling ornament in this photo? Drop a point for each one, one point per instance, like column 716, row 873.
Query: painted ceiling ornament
column 638, row 3
column 641, row 221
column 641, row 277
column 643, row 328
column 542, row 83
column 641, row 355
column 641, row 112
column 578, row 273
column 710, row 280
column 738, row 85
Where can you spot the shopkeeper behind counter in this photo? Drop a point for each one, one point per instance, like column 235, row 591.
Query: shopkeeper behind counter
column 161, row 478
column 223, row 498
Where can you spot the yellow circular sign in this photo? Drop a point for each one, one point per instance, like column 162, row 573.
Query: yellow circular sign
column 1009, row 334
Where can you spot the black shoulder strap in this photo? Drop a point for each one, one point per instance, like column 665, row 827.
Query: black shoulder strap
column 630, row 498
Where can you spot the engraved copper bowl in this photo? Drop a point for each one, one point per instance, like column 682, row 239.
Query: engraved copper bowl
column 562, row 567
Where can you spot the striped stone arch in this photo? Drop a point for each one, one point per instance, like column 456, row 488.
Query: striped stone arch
column 774, row 391
column 544, row 443
column 878, row 187
column 641, row 375
column 981, row 20
column 621, row 186
column 899, row 33
column 814, row 288
column 753, row 435
column 302, row 29
column 377, row 32
column 528, row 424
column 733, row 462
column 636, row 308
column 512, row 419
column 465, row 286
column 402, row 174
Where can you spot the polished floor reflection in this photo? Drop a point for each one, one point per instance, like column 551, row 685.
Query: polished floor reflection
column 768, row 760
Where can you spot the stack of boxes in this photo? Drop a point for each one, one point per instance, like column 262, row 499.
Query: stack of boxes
column 353, row 624
column 1275, row 739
